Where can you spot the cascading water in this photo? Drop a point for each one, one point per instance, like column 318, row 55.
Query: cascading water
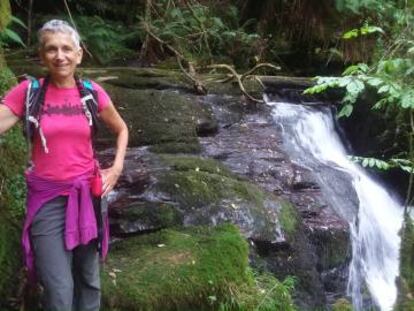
column 311, row 138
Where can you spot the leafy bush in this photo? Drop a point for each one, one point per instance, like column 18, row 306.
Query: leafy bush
column 9, row 36
column 390, row 76
column 105, row 40
column 196, row 31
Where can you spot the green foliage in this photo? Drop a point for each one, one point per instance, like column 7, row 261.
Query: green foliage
column 361, row 6
column 5, row 14
column 8, row 36
column 352, row 81
column 390, row 76
column 371, row 162
column 363, row 31
column 268, row 294
column 404, row 164
column 196, row 31
column 106, row 40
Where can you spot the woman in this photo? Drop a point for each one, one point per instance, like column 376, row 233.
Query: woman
column 60, row 234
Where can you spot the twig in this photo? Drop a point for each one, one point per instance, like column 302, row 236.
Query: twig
column 191, row 73
column 74, row 25
column 238, row 79
column 258, row 66
column 147, row 19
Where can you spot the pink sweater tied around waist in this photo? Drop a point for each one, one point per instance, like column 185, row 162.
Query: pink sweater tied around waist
column 80, row 220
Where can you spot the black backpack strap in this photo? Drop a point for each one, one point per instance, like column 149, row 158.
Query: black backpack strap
column 31, row 101
column 89, row 98
column 33, row 104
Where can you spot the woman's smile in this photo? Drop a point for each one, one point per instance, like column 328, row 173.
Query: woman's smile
column 61, row 56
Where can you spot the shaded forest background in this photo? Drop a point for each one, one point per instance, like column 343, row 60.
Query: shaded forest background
column 304, row 37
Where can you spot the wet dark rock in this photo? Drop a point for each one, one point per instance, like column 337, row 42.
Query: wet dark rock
column 131, row 216
column 159, row 118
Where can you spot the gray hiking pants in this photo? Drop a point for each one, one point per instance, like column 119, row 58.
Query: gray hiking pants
column 70, row 278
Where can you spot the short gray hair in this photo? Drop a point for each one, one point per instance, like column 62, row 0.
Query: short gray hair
column 57, row 25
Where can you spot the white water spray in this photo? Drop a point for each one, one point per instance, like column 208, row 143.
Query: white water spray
column 310, row 135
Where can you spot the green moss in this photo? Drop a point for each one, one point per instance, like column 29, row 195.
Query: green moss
column 146, row 216
column 133, row 79
column 342, row 305
column 195, row 269
column 205, row 187
column 12, row 195
column 9, row 246
column 5, row 14
column 196, row 188
column 333, row 248
column 176, row 270
column 193, row 163
column 201, row 182
column 7, row 78
column 159, row 118
column 176, row 147
column 288, row 218
column 268, row 294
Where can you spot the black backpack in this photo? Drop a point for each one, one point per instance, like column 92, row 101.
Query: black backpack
column 34, row 102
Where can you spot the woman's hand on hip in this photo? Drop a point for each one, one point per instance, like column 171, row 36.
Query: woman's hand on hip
column 109, row 178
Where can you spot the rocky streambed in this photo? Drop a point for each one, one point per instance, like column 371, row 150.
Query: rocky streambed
column 217, row 159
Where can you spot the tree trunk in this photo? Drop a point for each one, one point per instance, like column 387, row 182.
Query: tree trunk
column 29, row 23
column 147, row 20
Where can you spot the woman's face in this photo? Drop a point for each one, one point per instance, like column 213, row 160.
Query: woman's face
column 60, row 55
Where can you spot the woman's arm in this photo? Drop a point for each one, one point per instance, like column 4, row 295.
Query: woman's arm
column 7, row 118
column 113, row 120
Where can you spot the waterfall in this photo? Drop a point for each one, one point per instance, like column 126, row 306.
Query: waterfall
column 310, row 136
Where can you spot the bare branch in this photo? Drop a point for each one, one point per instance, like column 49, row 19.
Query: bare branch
column 191, row 73
column 238, row 79
column 258, row 66
column 74, row 26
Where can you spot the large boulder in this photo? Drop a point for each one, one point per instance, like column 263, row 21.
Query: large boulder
column 201, row 268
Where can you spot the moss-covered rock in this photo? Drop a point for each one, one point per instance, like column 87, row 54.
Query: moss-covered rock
column 342, row 305
column 209, row 193
column 288, row 218
column 163, row 119
column 204, row 181
column 146, row 79
column 12, row 194
column 194, row 269
column 143, row 216
column 175, row 270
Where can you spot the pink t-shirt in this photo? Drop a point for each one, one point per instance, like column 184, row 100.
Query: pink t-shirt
column 65, row 128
